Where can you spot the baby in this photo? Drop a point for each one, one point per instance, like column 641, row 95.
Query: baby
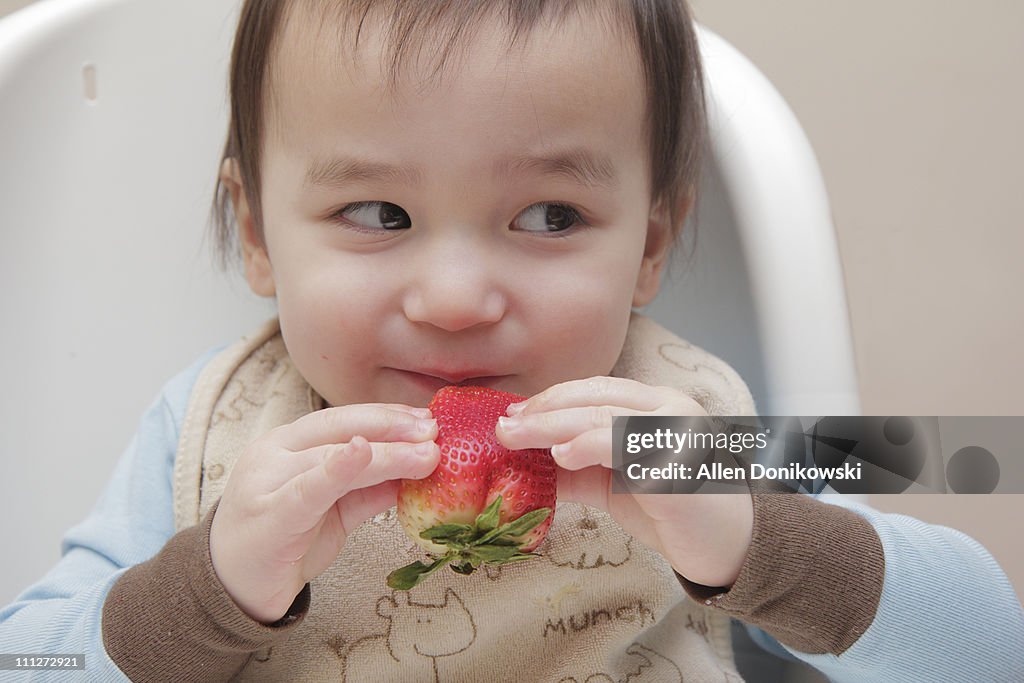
column 473, row 193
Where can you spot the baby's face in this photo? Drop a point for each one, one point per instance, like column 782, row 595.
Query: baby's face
column 493, row 229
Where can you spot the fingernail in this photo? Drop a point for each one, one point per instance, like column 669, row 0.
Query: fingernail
column 515, row 408
column 425, row 427
column 421, row 412
column 508, row 424
column 424, row 449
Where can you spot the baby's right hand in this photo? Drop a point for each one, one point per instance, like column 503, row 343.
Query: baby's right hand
column 296, row 493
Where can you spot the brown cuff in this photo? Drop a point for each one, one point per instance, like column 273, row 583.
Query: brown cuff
column 170, row 619
column 812, row 577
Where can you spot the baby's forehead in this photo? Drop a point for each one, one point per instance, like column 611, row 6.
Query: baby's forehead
column 425, row 42
column 569, row 96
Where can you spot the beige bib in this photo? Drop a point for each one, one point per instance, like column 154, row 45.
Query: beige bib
column 596, row 607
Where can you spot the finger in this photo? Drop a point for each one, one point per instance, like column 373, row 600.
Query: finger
column 541, row 430
column 390, row 461
column 360, row 505
column 303, row 500
column 349, row 512
column 340, row 425
column 593, row 391
column 412, row 410
column 397, row 460
column 592, row 448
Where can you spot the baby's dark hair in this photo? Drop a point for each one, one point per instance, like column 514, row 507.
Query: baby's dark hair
column 662, row 31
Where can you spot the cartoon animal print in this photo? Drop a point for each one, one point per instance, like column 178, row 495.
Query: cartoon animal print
column 493, row 571
column 644, row 666
column 589, row 542
column 417, row 635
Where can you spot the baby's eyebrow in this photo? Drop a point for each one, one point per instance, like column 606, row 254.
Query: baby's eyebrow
column 578, row 164
column 342, row 171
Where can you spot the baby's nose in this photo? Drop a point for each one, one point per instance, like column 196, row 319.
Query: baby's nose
column 455, row 290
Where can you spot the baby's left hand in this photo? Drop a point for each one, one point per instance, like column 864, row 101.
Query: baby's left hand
column 704, row 536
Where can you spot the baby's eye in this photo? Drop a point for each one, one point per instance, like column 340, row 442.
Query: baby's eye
column 547, row 217
column 375, row 216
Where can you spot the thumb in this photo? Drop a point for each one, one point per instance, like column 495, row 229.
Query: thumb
column 589, row 486
column 361, row 505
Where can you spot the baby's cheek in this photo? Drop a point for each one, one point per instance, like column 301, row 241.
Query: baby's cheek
column 585, row 340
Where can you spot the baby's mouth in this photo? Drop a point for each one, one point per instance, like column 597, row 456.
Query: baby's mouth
column 435, row 379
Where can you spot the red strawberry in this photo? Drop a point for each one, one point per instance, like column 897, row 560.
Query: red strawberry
column 483, row 503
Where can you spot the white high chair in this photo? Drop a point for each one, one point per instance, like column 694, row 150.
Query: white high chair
column 112, row 118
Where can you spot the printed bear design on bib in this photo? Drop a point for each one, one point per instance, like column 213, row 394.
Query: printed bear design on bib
column 417, row 635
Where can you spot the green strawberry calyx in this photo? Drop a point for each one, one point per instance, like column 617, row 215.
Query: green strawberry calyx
column 471, row 545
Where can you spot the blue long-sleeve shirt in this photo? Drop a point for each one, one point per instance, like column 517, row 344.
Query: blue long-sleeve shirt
column 947, row 611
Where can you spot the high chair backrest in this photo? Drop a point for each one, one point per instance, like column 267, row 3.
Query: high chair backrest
column 112, row 118
column 764, row 287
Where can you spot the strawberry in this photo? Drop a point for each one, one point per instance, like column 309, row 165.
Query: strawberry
column 483, row 503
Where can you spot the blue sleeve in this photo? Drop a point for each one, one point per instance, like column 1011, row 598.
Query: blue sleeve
column 130, row 523
column 947, row 612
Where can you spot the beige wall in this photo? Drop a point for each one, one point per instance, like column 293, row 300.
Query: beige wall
column 914, row 109
column 8, row 6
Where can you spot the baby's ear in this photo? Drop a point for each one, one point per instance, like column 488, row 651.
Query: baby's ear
column 660, row 238
column 254, row 251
